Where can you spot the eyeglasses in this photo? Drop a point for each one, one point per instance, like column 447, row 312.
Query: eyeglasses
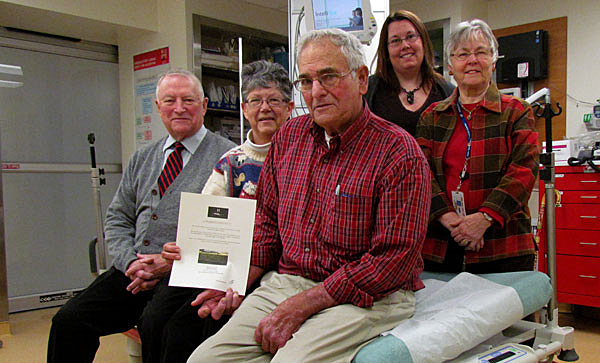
column 480, row 54
column 327, row 80
column 257, row 102
column 410, row 39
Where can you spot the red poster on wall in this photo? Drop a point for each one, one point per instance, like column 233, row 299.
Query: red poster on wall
column 147, row 68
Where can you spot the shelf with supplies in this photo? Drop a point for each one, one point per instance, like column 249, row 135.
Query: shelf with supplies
column 216, row 49
column 222, row 111
column 216, row 62
column 226, row 125
column 214, row 71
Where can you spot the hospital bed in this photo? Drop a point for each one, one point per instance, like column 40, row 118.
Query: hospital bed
column 474, row 318
column 466, row 318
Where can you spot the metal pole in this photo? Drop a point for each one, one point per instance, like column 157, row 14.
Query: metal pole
column 97, row 181
column 547, row 174
column 551, row 241
column 240, row 66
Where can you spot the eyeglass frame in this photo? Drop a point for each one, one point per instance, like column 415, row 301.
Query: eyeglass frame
column 280, row 102
column 409, row 39
column 337, row 78
column 480, row 54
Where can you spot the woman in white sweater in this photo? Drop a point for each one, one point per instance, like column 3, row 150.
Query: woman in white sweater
column 267, row 93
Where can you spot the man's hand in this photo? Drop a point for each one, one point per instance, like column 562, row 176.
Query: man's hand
column 217, row 303
column 146, row 272
column 170, row 252
column 470, row 231
column 277, row 328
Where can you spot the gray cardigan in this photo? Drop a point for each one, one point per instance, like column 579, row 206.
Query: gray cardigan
column 138, row 220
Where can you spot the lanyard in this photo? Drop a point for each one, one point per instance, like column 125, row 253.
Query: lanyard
column 463, row 174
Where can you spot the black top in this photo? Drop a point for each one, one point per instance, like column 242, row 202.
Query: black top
column 385, row 103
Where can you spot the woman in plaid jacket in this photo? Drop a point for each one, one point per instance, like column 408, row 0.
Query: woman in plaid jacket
column 482, row 148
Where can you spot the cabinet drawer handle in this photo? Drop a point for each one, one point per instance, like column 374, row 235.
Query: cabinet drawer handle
column 588, row 181
column 588, row 217
column 589, row 197
column 588, row 243
column 587, row 276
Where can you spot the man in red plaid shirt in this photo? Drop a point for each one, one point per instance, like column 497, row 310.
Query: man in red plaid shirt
column 343, row 205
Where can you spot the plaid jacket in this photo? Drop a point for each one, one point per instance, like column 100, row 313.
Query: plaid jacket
column 502, row 171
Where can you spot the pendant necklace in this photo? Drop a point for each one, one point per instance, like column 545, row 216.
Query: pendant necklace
column 470, row 112
column 410, row 95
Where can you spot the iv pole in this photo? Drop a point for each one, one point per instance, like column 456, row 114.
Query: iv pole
column 547, row 174
column 98, row 265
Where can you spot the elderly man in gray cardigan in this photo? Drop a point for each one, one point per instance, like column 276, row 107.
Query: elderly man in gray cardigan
column 141, row 218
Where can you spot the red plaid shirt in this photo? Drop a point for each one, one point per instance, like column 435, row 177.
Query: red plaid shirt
column 352, row 215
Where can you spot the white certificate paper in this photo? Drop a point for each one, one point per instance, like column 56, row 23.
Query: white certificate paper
column 215, row 237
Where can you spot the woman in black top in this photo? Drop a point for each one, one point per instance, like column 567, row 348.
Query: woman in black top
column 405, row 83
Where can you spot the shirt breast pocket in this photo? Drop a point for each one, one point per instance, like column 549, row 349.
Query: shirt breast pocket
column 351, row 221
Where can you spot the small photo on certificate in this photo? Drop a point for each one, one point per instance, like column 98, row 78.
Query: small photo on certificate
column 212, row 257
column 215, row 238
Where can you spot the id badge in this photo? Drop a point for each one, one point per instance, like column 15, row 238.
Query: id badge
column 458, row 201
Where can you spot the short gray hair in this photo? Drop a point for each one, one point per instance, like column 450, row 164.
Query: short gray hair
column 181, row 72
column 263, row 74
column 348, row 43
column 469, row 30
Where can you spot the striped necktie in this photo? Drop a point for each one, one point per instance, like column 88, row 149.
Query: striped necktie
column 172, row 168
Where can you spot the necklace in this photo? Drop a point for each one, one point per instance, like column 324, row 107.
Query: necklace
column 470, row 112
column 410, row 95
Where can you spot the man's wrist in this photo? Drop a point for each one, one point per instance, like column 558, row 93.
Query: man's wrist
column 316, row 299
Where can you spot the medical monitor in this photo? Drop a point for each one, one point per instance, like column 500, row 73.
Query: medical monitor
column 522, row 57
column 353, row 16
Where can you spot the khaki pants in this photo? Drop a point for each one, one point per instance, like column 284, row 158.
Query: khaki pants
column 332, row 335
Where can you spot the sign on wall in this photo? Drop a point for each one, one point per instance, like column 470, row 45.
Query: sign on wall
column 147, row 68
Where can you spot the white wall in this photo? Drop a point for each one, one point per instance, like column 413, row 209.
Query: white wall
column 242, row 13
column 433, row 10
column 94, row 20
column 583, row 27
column 135, row 13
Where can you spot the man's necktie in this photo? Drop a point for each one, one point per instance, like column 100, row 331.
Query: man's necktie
column 172, row 168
